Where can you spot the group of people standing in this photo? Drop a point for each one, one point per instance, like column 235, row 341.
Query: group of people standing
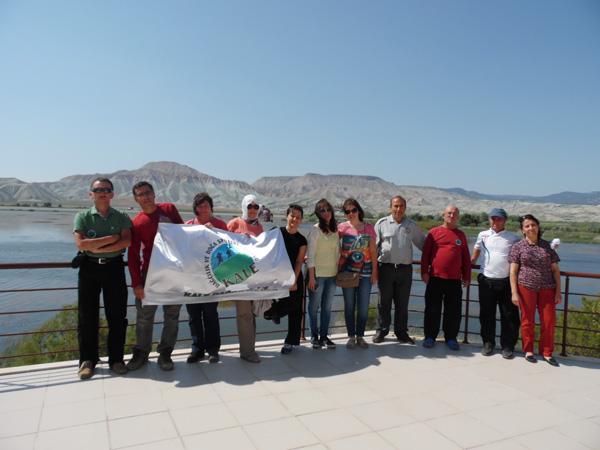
column 515, row 273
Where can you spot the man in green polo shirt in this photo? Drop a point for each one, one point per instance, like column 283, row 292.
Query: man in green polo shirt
column 102, row 233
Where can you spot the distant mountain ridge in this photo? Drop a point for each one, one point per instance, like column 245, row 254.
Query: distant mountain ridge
column 179, row 183
column 564, row 198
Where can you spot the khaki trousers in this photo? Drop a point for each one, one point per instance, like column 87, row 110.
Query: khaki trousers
column 246, row 326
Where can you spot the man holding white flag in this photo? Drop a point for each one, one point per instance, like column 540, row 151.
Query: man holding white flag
column 193, row 264
column 145, row 225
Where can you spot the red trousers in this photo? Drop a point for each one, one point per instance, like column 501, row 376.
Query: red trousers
column 543, row 301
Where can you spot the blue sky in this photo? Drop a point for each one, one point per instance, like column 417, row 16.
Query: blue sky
column 498, row 97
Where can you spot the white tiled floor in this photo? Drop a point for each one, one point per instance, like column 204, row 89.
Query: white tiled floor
column 388, row 396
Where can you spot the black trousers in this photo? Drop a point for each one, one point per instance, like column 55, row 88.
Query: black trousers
column 449, row 293
column 204, row 327
column 394, row 286
column 110, row 279
column 292, row 307
column 492, row 292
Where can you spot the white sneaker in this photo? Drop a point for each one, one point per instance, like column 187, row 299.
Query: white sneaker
column 351, row 342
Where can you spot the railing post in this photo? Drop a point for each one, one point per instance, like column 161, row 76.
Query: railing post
column 467, row 301
column 565, row 318
column 303, row 322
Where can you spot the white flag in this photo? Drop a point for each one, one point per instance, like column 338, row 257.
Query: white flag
column 196, row 264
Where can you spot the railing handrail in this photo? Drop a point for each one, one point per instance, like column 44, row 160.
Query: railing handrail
column 59, row 265
column 67, row 265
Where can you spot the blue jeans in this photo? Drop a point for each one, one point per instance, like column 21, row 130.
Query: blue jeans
column 356, row 303
column 323, row 297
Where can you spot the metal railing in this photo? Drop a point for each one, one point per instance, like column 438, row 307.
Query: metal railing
column 562, row 326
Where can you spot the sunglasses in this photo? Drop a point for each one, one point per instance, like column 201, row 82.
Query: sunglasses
column 102, row 190
column 351, row 211
column 325, row 210
column 252, row 206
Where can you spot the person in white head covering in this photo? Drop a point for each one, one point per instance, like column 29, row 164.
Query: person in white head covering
column 246, row 322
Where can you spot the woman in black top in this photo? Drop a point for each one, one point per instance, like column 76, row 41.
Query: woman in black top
column 295, row 244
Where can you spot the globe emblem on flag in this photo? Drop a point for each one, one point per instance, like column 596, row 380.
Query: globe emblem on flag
column 229, row 266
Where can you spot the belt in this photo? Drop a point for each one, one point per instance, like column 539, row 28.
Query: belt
column 396, row 266
column 103, row 261
column 495, row 279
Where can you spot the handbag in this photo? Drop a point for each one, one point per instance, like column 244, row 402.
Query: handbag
column 347, row 279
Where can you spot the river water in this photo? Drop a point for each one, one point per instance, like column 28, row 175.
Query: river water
column 45, row 235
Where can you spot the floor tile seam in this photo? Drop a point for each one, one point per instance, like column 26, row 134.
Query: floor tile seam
column 243, row 429
column 40, row 413
column 230, row 411
column 525, row 433
column 277, row 396
column 308, row 413
column 433, row 430
column 151, row 413
column 324, row 442
column 348, row 409
column 476, row 419
column 298, row 422
column 439, row 433
column 369, row 403
column 570, row 394
column 124, row 394
column 346, row 436
column 316, row 384
column 176, row 428
column 290, row 415
column 209, row 403
column 105, row 419
column 66, row 427
column 570, row 437
column 493, row 405
column 145, row 443
column 538, row 430
column 270, row 395
column 576, row 412
column 101, row 396
column 504, row 439
column 18, row 435
column 492, row 424
column 441, row 401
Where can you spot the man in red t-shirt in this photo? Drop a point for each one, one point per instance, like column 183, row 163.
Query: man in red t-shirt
column 145, row 226
column 444, row 264
column 204, row 317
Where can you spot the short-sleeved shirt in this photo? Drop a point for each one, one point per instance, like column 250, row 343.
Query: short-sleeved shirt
column 446, row 255
column 92, row 225
column 239, row 225
column 214, row 221
column 535, row 264
column 143, row 232
column 355, row 253
column 494, row 248
column 395, row 240
column 293, row 244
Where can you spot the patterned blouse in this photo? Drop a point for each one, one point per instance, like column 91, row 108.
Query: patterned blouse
column 355, row 253
column 535, row 264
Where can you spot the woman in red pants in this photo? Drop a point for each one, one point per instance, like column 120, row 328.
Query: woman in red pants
column 535, row 284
